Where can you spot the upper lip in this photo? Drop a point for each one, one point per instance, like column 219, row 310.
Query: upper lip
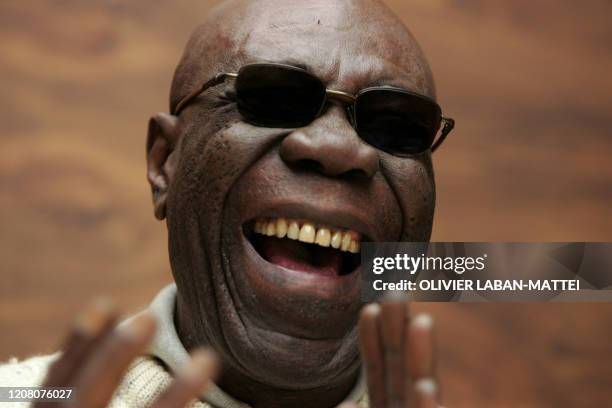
column 343, row 217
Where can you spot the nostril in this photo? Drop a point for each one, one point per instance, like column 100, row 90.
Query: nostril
column 315, row 166
column 310, row 165
column 354, row 174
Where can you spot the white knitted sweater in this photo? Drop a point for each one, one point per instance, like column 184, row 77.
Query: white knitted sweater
column 147, row 377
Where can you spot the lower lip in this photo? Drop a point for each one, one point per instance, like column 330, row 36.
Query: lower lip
column 321, row 286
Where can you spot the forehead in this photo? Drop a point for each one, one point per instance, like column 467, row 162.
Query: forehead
column 349, row 46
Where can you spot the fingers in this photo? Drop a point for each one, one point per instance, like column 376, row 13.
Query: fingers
column 420, row 348
column 398, row 356
column 348, row 405
column 190, row 382
column 96, row 355
column 90, row 328
column 420, row 362
column 372, row 353
column 425, row 394
column 103, row 370
column 394, row 320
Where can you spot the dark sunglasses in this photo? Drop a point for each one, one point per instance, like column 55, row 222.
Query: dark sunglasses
column 391, row 119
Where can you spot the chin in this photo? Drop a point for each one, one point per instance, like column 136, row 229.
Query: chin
column 294, row 282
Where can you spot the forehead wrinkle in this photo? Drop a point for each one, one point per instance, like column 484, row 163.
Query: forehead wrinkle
column 378, row 71
column 297, row 47
column 344, row 65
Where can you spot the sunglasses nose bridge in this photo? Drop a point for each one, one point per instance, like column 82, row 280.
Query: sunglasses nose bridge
column 340, row 96
column 344, row 98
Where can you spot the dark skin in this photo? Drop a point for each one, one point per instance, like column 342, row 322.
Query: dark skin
column 285, row 339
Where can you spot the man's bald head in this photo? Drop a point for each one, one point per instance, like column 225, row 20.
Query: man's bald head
column 244, row 31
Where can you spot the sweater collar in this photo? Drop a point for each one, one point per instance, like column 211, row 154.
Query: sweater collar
column 167, row 347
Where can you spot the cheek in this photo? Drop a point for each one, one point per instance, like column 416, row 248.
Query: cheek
column 413, row 183
column 204, row 168
column 210, row 162
column 213, row 157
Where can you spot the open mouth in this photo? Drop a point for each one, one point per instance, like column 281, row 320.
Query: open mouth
column 305, row 246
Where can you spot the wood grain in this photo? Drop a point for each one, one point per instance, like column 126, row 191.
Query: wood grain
column 528, row 83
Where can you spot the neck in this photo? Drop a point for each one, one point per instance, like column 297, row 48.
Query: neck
column 262, row 395
column 257, row 394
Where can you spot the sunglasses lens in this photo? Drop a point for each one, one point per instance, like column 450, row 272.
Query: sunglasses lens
column 278, row 96
column 397, row 122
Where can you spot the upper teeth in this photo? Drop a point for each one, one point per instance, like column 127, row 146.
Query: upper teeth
column 309, row 233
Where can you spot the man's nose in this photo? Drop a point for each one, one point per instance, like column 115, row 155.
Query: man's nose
column 330, row 146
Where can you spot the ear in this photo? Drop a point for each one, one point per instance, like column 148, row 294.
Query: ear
column 162, row 139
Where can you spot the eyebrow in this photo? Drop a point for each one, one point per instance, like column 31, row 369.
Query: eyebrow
column 292, row 62
column 396, row 83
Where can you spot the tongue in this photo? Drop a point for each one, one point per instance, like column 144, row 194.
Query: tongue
column 299, row 256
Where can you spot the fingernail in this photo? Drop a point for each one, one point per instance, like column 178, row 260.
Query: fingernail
column 140, row 328
column 96, row 316
column 426, row 386
column 395, row 297
column 423, row 321
column 372, row 309
column 201, row 368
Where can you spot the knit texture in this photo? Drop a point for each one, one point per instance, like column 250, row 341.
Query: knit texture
column 143, row 383
column 27, row 373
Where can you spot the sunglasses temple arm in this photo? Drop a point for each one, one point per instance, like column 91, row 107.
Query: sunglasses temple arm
column 216, row 80
column 449, row 124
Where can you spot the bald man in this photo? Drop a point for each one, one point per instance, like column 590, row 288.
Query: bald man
column 297, row 130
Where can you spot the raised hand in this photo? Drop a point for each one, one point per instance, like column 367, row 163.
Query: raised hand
column 398, row 356
column 96, row 355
